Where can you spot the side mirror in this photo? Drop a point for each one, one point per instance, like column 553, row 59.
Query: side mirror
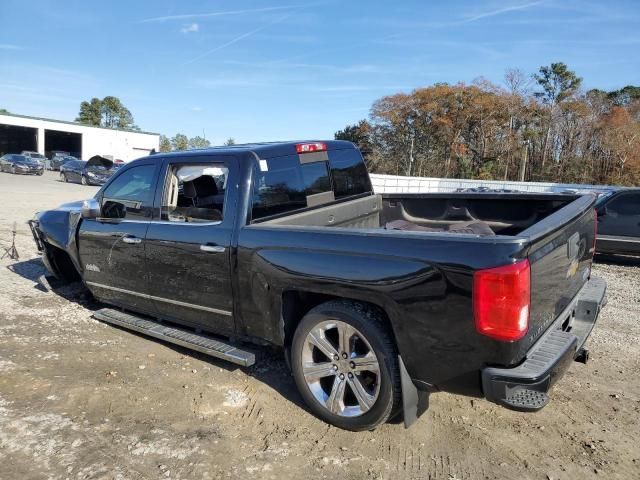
column 90, row 208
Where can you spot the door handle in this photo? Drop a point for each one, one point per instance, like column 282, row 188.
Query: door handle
column 212, row 248
column 131, row 239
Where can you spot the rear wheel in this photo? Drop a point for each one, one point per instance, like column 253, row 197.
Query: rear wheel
column 84, row 180
column 345, row 365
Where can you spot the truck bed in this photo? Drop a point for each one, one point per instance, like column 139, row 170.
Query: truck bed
column 506, row 214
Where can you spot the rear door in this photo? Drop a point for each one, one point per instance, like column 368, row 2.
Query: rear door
column 73, row 173
column 620, row 217
column 189, row 246
column 112, row 247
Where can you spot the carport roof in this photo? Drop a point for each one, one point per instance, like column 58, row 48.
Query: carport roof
column 75, row 123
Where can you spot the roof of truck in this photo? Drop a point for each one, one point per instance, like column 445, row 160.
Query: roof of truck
column 264, row 149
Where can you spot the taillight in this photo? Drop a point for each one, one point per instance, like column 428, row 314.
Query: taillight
column 501, row 298
column 311, row 147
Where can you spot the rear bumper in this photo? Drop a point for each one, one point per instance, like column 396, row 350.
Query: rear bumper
column 526, row 387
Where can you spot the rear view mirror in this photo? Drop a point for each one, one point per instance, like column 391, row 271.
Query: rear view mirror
column 90, row 208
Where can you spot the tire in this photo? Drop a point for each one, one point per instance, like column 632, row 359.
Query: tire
column 380, row 391
column 84, row 180
column 64, row 178
column 13, row 170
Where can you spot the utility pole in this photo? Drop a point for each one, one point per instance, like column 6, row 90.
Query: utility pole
column 523, row 163
column 410, row 157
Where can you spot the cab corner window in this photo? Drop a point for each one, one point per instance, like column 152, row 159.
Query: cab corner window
column 195, row 193
column 130, row 195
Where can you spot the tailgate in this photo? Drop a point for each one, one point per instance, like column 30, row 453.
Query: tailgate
column 560, row 254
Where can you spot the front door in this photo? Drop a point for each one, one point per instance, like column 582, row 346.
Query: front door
column 188, row 249
column 112, row 247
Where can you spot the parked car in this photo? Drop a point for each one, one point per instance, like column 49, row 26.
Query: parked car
column 38, row 157
column 14, row 163
column 59, row 153
column 58, row 160
column 96, row 171
column 376, row 300
column 619, row 222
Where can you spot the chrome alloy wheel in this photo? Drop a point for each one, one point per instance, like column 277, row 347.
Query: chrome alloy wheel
column 340, row 368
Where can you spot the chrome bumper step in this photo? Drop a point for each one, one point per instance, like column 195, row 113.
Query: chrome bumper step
column 194, row 341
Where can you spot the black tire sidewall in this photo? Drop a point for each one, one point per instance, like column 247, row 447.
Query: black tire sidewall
column 381, row 410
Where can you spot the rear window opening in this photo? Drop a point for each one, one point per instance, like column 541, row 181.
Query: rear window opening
column 195, row 193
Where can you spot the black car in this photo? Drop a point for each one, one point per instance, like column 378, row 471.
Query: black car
column 14, row 163
column 96, row 171
column 58, row 160
column 619, row 222
column 375, row 300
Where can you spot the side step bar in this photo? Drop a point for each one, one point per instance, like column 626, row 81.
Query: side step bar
column 194, row 341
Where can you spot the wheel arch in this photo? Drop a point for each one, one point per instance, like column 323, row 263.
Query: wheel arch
column 297, row 303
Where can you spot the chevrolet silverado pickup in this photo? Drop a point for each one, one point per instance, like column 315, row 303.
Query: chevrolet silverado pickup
column 377, row 301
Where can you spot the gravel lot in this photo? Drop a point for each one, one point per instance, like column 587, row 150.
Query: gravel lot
column 80, row 399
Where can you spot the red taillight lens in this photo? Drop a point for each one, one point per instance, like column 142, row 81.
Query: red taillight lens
column 501, row 298
column 311, row 147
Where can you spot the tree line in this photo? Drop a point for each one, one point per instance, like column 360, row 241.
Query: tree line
column 540, row 127
column 181, row 142
column 110, row 112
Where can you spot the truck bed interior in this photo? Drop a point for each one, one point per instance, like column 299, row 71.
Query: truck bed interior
column 475, row 213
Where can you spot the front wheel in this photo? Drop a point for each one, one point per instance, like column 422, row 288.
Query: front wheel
column 63, row 177
column 84, row 180
column 345, row 365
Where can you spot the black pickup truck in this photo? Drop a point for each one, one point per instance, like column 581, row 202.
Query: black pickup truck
column 376, row 300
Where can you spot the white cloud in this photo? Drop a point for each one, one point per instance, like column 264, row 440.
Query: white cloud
column 190, row 28
column 192, row 16
column 235, row 40
column 8, row 46
column 500, row 11
column 196, row 109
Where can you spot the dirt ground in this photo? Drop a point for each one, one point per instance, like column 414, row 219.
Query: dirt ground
column 80, row 399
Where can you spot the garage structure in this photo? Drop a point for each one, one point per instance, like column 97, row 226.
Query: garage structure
column 43, row 135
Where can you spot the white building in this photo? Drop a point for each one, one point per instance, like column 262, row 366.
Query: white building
column 19, row 132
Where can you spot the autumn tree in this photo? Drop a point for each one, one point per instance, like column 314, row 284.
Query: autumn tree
column 553, row 133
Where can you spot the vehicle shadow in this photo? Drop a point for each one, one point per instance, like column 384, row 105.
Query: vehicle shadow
column 35, row 271
column 270, row 367
column 622, row 260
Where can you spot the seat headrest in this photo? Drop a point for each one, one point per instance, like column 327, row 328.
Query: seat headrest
column 189, row 190
column 205, row 186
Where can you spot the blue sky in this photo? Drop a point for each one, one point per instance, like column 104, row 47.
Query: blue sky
column 285, row 69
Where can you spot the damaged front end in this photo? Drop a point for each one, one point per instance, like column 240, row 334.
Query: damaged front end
column 55, row 234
